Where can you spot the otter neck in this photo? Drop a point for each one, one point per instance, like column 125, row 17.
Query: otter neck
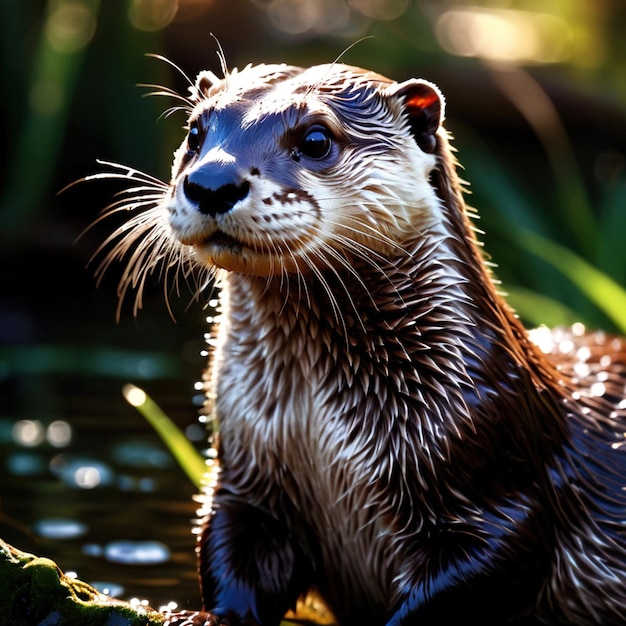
column 428, row 309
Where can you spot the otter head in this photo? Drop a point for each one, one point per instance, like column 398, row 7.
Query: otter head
column 290, row 170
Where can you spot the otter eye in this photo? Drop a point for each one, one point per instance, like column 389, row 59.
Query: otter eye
column 316, row 144
column 193, row 138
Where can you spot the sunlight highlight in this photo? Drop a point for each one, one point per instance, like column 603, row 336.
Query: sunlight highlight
column 152, row 15
column 504, row 35
column 134, row 396
column 70, row 26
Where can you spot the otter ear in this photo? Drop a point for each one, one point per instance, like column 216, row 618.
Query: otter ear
column 424, row 106
column 204, row 81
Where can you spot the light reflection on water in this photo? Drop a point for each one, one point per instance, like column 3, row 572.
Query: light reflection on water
column 59, row 528
column 137, row 552
column 108, row 588
column 141, row 454
column 28, row 433
column 31, row 433
column 59, row 434
column 81, row 472
column 25, row 463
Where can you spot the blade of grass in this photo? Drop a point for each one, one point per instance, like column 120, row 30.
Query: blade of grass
column 537, row 309
column 611, row 253
column 62, row 44
column 190, row 460
column 599, row 288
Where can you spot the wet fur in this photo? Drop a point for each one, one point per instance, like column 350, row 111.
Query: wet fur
column 389, row 433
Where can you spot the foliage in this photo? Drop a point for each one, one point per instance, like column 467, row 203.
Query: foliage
column 555, row 272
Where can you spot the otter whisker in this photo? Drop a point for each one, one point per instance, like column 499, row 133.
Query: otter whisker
column 144, row 241
column 185, row 108
column 221, row 56
column 146, row 237
column 173, row 110
column 334, row 305
column 323, row 253
column 364, row 253
column 142, row 191
column 173, row 65
column 124, row 172
column 132, row 200
column 123, row 206
column 198, row 278
column 343, row 261
column 301, row 282
column 373, row 233
column 285, row 281
column 274, row 262
column 315, row 86
column 147, row 219
column 139, row 206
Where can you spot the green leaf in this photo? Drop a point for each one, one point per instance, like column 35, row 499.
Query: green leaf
column 537, row 309
column 611, row 254
column 602, row 290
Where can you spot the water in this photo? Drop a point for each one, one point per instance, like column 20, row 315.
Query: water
column 110, row 504
column 83, row 478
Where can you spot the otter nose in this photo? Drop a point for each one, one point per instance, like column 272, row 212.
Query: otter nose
column 215, row 189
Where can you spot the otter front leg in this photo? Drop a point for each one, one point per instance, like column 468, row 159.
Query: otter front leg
column 252, row 569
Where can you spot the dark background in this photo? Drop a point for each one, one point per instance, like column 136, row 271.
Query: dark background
column 536, row 98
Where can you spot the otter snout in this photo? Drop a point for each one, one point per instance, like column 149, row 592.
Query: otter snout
column 215, row 189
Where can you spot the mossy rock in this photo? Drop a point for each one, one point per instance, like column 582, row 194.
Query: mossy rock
column 35, row 592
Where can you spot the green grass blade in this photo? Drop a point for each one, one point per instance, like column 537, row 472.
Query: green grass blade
column 51, row 85
column 537, row 309
column 599, row 288
column 611, row 255
column 190, row 460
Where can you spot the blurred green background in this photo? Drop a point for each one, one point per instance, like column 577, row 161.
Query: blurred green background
column 536, row 99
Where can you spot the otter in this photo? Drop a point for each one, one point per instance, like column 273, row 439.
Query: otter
column 390, row 435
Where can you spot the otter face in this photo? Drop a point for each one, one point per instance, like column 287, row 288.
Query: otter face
column 288, row 170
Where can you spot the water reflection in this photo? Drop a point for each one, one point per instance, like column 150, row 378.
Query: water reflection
column 92, row 549
column 99, row 494
column 59, row 528
column 141, row 454
column 59, row 434
column 109, row 588
column 82, row 472
column 25, row 464
column 32, row 433
column 137, row 552
column 29, row 433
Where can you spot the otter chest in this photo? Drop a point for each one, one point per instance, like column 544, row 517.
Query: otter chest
column 299, row 430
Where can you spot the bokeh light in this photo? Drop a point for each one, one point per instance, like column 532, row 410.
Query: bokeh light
column 504, row 35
